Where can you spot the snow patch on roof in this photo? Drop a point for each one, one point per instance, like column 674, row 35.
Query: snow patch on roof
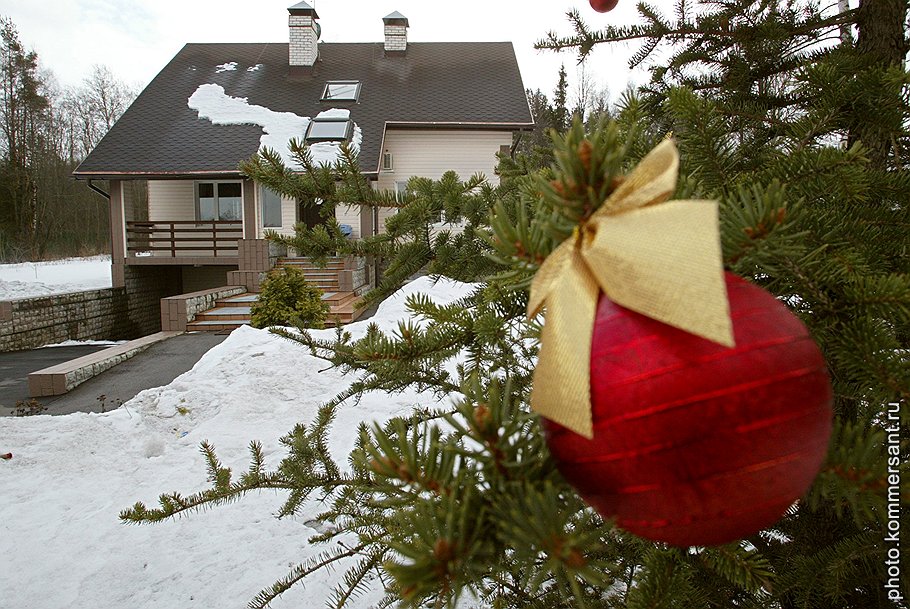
column 326, row 153
column 227, row 67
column 255, row 68
column 212, row 103
column 334, row 113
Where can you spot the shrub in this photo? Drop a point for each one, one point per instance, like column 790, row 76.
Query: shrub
column 286, row 298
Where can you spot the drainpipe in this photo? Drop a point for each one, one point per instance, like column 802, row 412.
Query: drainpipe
column 514, row 146
column 99, row 191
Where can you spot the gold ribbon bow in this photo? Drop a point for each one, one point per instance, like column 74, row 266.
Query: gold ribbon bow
column 662, row 260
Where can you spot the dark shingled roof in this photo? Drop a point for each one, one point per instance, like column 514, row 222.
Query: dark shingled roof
column 436, row 84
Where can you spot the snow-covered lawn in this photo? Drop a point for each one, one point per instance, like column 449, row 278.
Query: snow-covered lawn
column 29, row 279
column 61, row 542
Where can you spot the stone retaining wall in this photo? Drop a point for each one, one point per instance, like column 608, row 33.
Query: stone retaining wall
column 256, row 257
column 355, row 275
column 145, row 287
column 106, row 314
column 177, row 311
column 92, row 315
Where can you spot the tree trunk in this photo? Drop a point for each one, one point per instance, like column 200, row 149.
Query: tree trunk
column 881, row 31
column 882, row 44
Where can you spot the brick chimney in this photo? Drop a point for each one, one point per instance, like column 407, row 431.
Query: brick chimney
column 396, row 34
column 303, row 49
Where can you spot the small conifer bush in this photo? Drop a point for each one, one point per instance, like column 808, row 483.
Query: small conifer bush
column 287, row 299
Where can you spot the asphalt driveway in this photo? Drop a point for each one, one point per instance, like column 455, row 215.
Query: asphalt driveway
column 158, row 365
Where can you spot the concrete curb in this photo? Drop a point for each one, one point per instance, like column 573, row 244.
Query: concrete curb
column 59, row 379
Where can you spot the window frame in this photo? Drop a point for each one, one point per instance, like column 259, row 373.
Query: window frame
column 401, row 189
column 352, row 99
column 216, row 197
column 348, row 130
column 262, row 190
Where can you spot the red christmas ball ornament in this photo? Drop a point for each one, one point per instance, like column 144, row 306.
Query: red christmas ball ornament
column 694, row 443
column 603, row 6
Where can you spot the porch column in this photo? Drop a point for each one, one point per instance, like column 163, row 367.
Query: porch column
column 118, row 234
column 366, row 221
column 249, row 210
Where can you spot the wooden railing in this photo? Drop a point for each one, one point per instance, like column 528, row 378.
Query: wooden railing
column 183, row 238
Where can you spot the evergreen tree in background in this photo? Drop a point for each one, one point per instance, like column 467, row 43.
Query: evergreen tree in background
column 560, row 115
column 534, row 149
column 800, row 133
column 24, row 109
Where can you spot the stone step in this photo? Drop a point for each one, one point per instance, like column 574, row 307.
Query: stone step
column 242, row 298
column 306, row 264
column 245, row 311
column 319, row 274
column 324, row 281
column 330, row 262
column 216, row 325
column 218, row 316
column 229, row 313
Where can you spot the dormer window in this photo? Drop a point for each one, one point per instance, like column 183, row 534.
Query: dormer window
column 342, row 90
column 329, row 130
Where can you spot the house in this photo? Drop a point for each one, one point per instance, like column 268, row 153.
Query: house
column 412, row 109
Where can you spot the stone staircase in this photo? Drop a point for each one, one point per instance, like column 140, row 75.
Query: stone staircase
column 325, row 279
column 341, row 302
column 229, row 313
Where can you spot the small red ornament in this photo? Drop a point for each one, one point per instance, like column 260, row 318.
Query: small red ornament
column 694, row 443
column 603, row 6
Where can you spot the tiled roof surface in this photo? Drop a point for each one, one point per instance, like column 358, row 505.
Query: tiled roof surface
column 472, row 83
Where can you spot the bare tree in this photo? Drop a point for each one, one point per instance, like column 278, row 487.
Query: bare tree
column 584, row 91
column 590, row 101
column 94, row 107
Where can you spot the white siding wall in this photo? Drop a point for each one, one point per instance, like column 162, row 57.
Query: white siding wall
column 288, row 216
column 171, row 200
column 430, row 153
column 350, row 215
column 427, row 154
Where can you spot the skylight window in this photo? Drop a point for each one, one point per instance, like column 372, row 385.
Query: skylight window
column 341, row 91
column 328, row 130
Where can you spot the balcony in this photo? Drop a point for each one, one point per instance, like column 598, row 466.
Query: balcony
column 183, row 241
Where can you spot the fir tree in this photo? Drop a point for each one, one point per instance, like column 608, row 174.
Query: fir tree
column 533, row 149
column 466, row 502
column 560, row 116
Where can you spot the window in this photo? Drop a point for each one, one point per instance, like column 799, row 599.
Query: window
column 328, row 130
column 219, row 201
column 341, row 91
column 271, row 208
column 401, row 189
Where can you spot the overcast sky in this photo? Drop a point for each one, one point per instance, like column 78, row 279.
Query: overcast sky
column 136, row 39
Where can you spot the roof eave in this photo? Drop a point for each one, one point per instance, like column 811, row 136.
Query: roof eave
column 151, row 175
column 459, row 125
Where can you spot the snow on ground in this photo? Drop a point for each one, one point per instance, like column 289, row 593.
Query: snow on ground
column 30, row 279
column 212, row 103
column 79, row 343
column 60, row 538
